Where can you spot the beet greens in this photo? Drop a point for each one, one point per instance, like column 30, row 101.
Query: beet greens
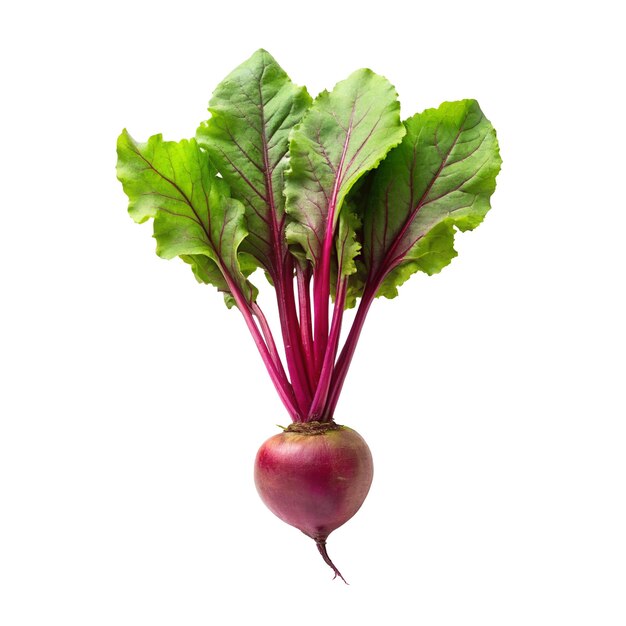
column 333, row 198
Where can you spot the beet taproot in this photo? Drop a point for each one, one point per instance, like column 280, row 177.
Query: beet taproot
column 314, row 476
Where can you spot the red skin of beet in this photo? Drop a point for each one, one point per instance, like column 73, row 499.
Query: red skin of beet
column 315, row 482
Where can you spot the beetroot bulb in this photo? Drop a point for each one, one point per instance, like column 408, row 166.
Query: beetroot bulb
column 314, row 476
column 336, row 201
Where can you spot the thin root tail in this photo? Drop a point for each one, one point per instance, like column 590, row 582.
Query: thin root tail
column 321, row 546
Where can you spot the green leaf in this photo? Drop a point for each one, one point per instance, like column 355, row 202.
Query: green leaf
column 247, row 137
column 347, row 243
column 430, row 255
column 347, row 247
column 174, row 183
column 344, row 134
column 439, row 178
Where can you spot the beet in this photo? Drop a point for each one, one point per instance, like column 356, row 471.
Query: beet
column 314, row 476
column 338, row 201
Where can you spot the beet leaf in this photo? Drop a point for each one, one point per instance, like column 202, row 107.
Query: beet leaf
column 247, row 137
column 440, row 178
column 175, row 184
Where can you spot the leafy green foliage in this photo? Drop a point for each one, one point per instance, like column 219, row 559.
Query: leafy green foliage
column 247, row 137
column 345, row 133
column 439, row 178
column 174, row 183
column 335, row 194
column 347, row 248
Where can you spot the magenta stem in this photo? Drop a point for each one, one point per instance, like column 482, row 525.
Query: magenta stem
column 303, row 276
column 269, row 338
column 345, row 358
column 321, row 394
column 291, row 336
column 285, row 391
column 321, row 285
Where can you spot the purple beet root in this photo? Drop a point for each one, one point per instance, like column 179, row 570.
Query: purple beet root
column 314, row 476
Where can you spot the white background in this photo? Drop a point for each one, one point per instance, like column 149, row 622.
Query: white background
column 491, row 395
